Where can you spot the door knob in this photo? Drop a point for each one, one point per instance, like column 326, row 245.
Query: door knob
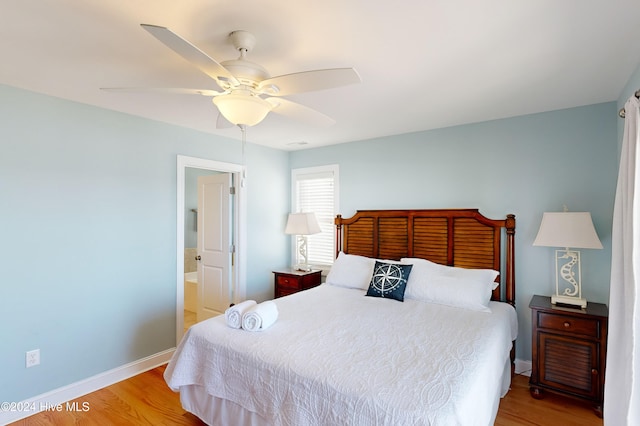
column 198, row 257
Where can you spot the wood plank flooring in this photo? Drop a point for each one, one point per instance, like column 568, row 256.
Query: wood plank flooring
column 190, row 318
column 146, row 400
column 519, row 408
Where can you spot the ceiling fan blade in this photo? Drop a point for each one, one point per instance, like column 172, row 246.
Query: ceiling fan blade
column 309, row 81
column 176, row 90
column 300, row 112
column 192, row 54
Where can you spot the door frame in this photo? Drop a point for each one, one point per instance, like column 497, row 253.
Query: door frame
column 238, row 270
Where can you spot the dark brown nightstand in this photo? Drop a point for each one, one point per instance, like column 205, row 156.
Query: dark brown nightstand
column 289, row 281
column 569, row 350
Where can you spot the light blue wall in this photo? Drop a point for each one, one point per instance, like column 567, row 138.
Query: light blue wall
column 87, row 216
column 524, row 165
column 88, row 235
column 268, row 181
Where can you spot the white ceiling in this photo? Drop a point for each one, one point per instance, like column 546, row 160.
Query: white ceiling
column 424, row 64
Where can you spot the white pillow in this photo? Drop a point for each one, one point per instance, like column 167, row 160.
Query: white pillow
column 459, row 292
column 488, row 275
column 435, row 283
column 421, row 275
column 351, row 271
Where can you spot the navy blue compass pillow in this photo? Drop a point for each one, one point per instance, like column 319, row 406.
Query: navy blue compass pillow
column 389, row 280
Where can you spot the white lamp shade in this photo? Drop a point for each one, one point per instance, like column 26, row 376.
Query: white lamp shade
column 567, row 229
column 302, row 224
column 242, row 109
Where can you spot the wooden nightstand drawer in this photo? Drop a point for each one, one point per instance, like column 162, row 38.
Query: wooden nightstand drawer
column 285, row 291
column 291, row 281
column 287, row 281
column 571, row 324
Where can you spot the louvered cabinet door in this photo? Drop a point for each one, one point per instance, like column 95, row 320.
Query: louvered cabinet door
column 568, row 350
column 569, row 364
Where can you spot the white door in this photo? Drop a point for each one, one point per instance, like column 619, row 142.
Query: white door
column 214, row 254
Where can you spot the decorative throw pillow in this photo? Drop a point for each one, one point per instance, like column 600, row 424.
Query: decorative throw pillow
column 389, row 280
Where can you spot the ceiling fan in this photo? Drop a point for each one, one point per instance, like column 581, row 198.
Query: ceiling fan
column 247, row 91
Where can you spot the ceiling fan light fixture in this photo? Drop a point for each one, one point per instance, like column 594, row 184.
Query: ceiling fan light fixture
column 245, row 83
column 245, row 110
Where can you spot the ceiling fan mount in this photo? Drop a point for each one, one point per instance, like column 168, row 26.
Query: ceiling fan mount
column 242, row 40
column 246, row 72
column 249, row 93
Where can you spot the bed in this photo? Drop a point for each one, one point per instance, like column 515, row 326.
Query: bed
column 432, row 356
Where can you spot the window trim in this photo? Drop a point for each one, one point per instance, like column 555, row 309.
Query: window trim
column 334, row 169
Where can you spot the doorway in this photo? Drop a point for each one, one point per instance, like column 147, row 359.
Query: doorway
column 238, row 218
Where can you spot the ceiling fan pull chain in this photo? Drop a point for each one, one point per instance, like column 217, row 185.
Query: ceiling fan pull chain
column 243, row 129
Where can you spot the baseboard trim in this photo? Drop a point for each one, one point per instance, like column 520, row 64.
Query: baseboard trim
column 523, row 367
column 75, row 390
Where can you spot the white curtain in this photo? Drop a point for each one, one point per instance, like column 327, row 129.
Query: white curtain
column 622, row 382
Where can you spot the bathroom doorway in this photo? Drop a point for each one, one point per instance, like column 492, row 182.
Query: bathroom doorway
column 189, row 169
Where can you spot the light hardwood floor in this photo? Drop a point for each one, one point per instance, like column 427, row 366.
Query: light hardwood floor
column 146, row 400
column 519, row 408
column 190, row 318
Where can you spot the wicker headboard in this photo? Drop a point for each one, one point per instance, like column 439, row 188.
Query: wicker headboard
column 454, row 237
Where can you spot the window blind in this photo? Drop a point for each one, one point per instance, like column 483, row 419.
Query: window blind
column 315, row 190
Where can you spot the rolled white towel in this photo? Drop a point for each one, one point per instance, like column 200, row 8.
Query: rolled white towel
column 260, row 316
column 233, row 315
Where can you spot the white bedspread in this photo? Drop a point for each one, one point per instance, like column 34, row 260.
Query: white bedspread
column 337, row 357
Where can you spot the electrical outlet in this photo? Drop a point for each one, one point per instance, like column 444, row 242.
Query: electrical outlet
column 33, row 357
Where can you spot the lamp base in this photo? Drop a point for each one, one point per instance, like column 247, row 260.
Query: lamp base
column 568, row 300
column 302, row 267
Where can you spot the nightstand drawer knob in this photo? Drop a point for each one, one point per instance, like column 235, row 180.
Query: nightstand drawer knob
column 594, row 371
column 567, row 324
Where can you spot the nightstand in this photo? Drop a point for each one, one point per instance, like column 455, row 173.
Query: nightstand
column 289, row 281
column 569, row 350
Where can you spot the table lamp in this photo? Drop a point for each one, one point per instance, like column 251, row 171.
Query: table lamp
column 568, row 229
column 302, row 224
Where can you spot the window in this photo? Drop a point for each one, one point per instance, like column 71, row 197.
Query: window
column 315, row 189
